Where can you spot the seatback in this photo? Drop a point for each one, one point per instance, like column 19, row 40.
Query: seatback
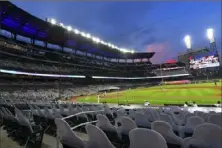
column 22, row 120
column 148, row 113
column 97, row 138
column 127, row 124
column 61, row 108
column 167, row 118
column 6, row 113
column 2, row 113
column 56, row 113
column 107, row 110
column 70, row 109
column 48, row 113
column 187, row 115
column 39, row 111
column 166, row 131
column 120, row 113
column 141, row 120
column 9, row 113
column 198, row 113
column 34, row 112
column 67, row 136
column 215, row 119
column 104, row 123
column 194, row 121
column 131, row 113
column 145, row 138
column 208, row 133
column 179, row 117
column 155, row 115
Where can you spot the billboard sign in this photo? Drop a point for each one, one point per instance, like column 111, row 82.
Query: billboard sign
column 198, row 62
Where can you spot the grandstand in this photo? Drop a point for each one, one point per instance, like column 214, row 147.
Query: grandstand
column 63, row 88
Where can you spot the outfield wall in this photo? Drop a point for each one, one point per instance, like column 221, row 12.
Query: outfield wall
column 177, row 82
column 191, row 82
column 175, row 108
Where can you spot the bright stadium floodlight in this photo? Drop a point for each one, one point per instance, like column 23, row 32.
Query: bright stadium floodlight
column 69, row 28
column 210, row 35
column 94, row 39
column 112, row 46
column 123, row 50
column 83, row 34
column 53, row 21
column 76, row 31
column 109, row 44
column 88, row 35
column 102, row 42
column 61, row 24
column 187, row 40
column 97, row 40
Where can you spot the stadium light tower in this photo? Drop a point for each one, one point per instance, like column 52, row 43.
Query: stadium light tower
column 210, row 36
column 187, row 41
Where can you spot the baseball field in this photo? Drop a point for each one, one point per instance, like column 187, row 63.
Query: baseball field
column 205, row 93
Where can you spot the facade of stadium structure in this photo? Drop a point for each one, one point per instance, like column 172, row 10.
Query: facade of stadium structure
column 74, row 56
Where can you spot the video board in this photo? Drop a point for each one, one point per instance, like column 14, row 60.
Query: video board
column 204, row 61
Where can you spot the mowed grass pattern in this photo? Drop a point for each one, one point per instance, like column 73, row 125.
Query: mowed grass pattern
column 206, row 93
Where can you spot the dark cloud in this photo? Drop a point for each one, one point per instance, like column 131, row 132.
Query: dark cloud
column 124, row 19
column 149, row 40
column 124, row 16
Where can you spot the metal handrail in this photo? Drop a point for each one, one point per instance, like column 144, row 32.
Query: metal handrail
column 82, row 124
column 85, row 112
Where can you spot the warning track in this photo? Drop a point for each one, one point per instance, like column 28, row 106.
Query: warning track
column 184, row 87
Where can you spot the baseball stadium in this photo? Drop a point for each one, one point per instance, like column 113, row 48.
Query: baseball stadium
column 62, row 87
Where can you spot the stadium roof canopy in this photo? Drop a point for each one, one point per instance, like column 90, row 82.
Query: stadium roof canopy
column 168, row 65
column 23, row 23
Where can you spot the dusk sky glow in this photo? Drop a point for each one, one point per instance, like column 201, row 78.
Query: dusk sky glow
column 144, row 26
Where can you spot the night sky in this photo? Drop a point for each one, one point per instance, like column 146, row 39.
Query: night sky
column 144, row 26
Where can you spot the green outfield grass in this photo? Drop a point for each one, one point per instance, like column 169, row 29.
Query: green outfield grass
column 206, row 93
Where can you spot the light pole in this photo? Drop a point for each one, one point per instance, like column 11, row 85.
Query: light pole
column 187, row 41
column 210, row 36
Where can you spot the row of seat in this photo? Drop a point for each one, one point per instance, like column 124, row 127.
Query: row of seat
column 77, row 115
column 20, row 129
column 156, row 137
column 159, row 125
column 28, row 126
column 180, row 129
column 119, row 133
column 116, row 123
